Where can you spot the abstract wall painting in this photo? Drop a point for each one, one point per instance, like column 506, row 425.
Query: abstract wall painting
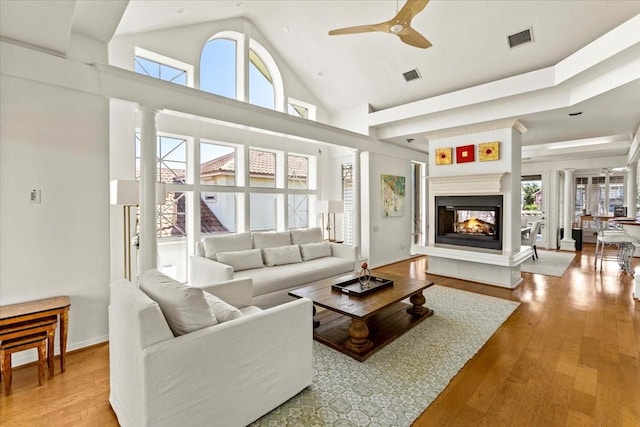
column 393, row 191
column 489, row 151
column 465, row 153
column 443, row 156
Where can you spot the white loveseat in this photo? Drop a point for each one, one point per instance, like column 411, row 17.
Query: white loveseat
column 275, row 262
column 228, row 374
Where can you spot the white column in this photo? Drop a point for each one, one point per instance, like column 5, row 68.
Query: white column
column 357, row 208
column 632, row 190
column 148, row 177
column 567, row 243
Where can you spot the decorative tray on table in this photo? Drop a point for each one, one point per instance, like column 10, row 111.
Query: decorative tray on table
column 353, row 286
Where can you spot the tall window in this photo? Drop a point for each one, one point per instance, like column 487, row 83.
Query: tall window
column 261, row 91
column 599, row 195
column 255, row 78
column 348, row 200
column 160, row 71
column 162, row 67
column 297, row 178
column 218, row 71
column 218, row 209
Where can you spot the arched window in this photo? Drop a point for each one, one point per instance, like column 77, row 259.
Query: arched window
column 218, row 71
column 223, row 67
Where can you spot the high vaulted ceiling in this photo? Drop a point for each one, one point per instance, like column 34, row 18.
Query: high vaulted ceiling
column 470, row 51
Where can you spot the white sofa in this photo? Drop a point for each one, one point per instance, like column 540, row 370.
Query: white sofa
column 229, row 374
column 252, row 255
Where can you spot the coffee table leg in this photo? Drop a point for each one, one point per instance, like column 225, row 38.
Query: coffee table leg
column 418, row 308
column 316, row 323
column 358, row 341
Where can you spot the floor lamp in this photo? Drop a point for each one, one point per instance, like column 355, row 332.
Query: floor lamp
column 126, row 194
column 331, row 208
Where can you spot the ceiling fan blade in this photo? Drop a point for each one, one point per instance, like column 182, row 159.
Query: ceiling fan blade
column 414, row 38
column 355, row 30
column 410, row 9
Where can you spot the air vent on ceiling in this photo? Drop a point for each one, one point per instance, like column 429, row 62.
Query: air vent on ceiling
column 522, row 37
column 412, row 75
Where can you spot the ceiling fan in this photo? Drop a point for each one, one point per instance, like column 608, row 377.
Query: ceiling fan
column 399, row 25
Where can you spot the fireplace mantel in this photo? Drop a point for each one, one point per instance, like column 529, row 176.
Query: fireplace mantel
column 466, row 184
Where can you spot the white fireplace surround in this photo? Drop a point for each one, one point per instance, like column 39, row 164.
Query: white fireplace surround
column 495, row 267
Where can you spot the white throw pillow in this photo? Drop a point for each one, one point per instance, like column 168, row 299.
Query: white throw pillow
column 226, row 243
column 185, row 308
column 315, row 250
column 221, row 309
column 271, row 240
column 301, row 236
column 281, row 255
column 242, row 260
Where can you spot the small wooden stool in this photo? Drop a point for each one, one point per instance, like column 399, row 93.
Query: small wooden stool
column 8, row 347
column 32, row 327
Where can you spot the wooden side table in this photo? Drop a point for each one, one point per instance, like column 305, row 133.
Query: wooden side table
column 12, row 314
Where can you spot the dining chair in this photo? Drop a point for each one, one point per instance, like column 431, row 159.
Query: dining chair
column 530, row 239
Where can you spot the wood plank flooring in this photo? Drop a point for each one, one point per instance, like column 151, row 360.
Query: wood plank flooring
column 568, row 356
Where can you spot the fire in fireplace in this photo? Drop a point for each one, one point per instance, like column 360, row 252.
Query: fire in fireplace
column 469, row 221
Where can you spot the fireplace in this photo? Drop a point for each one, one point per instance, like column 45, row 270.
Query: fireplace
column 469, row 221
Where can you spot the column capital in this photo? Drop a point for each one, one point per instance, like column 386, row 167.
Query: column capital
column 147, row 111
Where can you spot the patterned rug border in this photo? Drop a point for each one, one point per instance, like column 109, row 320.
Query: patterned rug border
column 395, row 385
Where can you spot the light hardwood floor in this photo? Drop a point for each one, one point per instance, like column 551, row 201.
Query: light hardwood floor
column 569, row 355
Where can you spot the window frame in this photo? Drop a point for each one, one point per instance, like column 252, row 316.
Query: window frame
column 165, row 60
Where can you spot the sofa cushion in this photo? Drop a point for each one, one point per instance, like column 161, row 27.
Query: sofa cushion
column 226, row 243
column 185, row 308
column 301, row 236
column 267, row 280
column 242, row 260
column 311, row 251
column 221, row 309
column 281, row 255
column 271, row 240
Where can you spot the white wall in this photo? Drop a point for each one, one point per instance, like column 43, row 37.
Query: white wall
column 389, row 239
column 55, row 140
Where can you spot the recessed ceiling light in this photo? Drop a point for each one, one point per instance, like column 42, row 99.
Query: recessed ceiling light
column 577, row 113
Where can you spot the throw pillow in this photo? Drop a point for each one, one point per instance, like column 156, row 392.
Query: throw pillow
column 226, row 243
column 315, row 250
column 221, row 309
column 242, row 260
column 301, row 236
column 271, row 240
column 185, row 308
column 281, row 255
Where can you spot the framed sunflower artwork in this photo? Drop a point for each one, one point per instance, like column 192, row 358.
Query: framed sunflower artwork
column 443, row 156
column 489, row 151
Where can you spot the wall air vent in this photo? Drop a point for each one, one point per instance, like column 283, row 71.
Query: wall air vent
column 522, row 37
column 412, row 75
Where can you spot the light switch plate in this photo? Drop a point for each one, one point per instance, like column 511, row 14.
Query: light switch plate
column 34, row 196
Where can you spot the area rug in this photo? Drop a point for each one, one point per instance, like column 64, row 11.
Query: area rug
column 549, row 263
column 395, row 385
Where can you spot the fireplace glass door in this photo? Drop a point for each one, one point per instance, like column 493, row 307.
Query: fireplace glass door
column 474, row 221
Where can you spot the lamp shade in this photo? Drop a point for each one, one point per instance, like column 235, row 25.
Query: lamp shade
column 322, row 206
column 336, row 206
column 127, row 193
column 329, row 206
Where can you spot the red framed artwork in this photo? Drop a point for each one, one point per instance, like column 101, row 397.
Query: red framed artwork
column 465, row 153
